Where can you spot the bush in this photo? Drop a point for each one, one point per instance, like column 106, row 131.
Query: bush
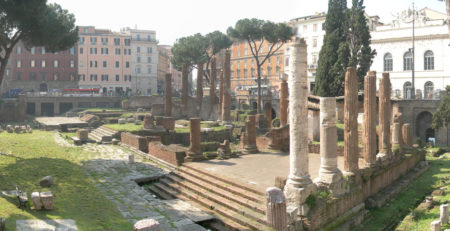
column 276, row 123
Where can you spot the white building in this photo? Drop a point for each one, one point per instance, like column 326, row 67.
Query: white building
column 393, row 44
column 144, row 61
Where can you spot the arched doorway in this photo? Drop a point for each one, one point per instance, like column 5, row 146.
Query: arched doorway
column 423, row 126
column 428, row 90
column 407, row 90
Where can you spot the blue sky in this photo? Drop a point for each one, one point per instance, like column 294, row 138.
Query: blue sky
column 173, row 19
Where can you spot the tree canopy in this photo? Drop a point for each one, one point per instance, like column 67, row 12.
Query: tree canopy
column 189, row 50
column 35, row 23
column 256, row 33
column 442, row 116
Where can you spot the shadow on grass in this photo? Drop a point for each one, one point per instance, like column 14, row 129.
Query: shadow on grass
column 75, row 195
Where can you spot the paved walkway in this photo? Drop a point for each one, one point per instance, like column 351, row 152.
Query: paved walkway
column 114, row 175
column 46, row 225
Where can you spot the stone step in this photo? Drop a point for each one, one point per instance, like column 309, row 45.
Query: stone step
column 112, row 131
column 103, row 132
column 200, row 186
column 231, row 182
column 232, row 219
column 160, row 193
column 94, row 136
column 213, row 201
column 190, row 173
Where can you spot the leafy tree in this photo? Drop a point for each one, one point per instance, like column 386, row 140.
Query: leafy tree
column 346, row 43
column 189, row 50
column 35, row 23
column 447, row 6
column 442, row 116
column 217, row 41
column 256, row 33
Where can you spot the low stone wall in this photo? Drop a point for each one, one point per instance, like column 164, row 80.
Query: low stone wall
column 209, row 146
column 315, row 148
column 173, row 154
column 213, row 136
column 134, row 141
column 368, row 183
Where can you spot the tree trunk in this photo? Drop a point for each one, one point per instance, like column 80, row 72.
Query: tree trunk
column 212, row 85
column 199, row 88
column 184, row 89
column 3, row 64
column 259, row 110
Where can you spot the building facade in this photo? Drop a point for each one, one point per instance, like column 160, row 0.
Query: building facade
column 37, row 70
column 104, row 60
column 163, row 65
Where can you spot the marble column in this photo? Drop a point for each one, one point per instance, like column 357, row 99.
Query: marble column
column 184, row 89
column 195, row 152
column 397, row 139
column 370, row 114
column 168, row 95
column 384, row 116
column 299, row 184
column 276, row 208
column 351, row 149
column 328, row 172
column 226, row 117
column 284, row 102
column 199, row 88
column 212, row 84
column 250, row 135
column 220, row 97
column 407, row 135
column 268, row 110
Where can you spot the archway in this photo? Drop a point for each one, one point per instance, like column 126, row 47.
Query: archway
column 423, row 126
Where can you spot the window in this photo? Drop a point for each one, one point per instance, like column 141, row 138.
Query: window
column 149, row 50
column 138, row 49
column 314, row 41
column 117, row 41
column 55, row 76
column 72, row 50
column 43, row 76
column 138, row 59
column 93, row 40
column 33, row 63
column 407, row 89
column 81, row 50
column 43, row 50
column 117, row 64
column 238, row 73
column 19, row 75
column 149, row 70
column 85, row 30
column 117, row 51
column 92, row 63
column 7, row 72
column 138, row 70
column 407, row 61
column 127, row 51
column 81, row 40
column 149, row 38
column 105, row 64
column 428, row 60
column 387, row 62
column 72, row 63
column 138, row 37
column 245, row 51
column 19, row 63
column 428, row 90
column 117, row 77
column 305, row 28
column 104, row 51
column 315, row 28
column 19, row 50
column 93, row 77
column 314, row 59
column 127, row 42
column 278, row 60
column 93, row 50
column 269, row 69
column 43, row 63
column 104, row 41
column 55, row 63
column 278, row 70
column 80, row 63
column 33, row 50
column 127, row 64
column 105, row 77
column 32, row 75
column 149, row 59
column 245, row 73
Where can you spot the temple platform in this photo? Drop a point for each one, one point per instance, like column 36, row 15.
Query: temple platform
column 50, row 123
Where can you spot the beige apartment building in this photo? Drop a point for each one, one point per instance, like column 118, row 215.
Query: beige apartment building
column 104, row 60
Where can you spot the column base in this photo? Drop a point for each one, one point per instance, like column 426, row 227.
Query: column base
column 194, row 156
column 250, row 150
column 335, row 183
column 296, row 196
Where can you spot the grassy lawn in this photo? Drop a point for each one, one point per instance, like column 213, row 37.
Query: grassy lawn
column 101, row 109
column 26, row 158
column 186, row 129
column 128, row 127
column 437, row 176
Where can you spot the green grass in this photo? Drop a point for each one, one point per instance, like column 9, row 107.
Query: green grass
column 437, row 176
column 128, row 127
column 26, row 158
column 101, row 109
column 187, row 129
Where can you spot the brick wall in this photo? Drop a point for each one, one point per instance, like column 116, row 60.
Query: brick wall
column 173, row 154
column 134, row 141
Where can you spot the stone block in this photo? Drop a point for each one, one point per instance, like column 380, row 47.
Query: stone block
column 46, row 181
column 435, row 225
column 276, row 208
column 82, row 134
column 47, row 200
column 130, row 120
column 131, row 159
column 444, row 214
column 36, row 199
column 122, row 121
column 146, row 225
column 138, row 122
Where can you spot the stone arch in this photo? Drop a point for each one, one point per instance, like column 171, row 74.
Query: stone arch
column 423, row 126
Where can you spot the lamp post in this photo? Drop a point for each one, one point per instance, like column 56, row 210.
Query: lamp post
column 413, row 89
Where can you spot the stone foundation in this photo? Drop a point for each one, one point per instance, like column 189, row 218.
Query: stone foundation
column 173, row 154
column 135, row 141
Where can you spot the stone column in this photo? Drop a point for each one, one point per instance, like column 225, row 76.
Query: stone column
column 444, row 214
column 329, row 174
column 148, row 122
column 314, row 125
column 370, row 113
column 220, row 96
column 407, row 135
column 284, row 102
column 168, row 95
column 212, row 82
column 195, row 152
column 276, row 209
column 199, row 87
column 250, row 135
column 37, row 109
column 397, row 139
column 435, row 225
column 268, row 110
column 384, row 116
column 184, row 89
column 299, row 184
column 351, row 149
column 226, row 88
column 56, row 109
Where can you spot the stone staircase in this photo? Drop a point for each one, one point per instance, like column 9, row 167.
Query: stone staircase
column 237, row 207
column 103, row 134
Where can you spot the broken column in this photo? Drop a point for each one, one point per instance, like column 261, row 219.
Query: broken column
column 184, row 89
column 444, row 214
column 226, row 88
column 397, row 132
column 351, row 149
column 82, row 134
column 407, row 135
column 212, row 84
column 284, row 102
column 435, row 225
column 168, row 95
column 299, row 184
column 199, row 87
column 384, row 115
column 220, row 96
column 329, row 174
column 148, row 121
column 194, row 153
column 268, row 110
column 370, row 113
column 276, row 208
column 250, row 135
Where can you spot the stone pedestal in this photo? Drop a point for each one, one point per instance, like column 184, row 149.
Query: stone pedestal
column 284, row 103
column 384, row 118
column 226, row 116
column 276, row 209
column 199, row 95
column 168, row 95
column 148, row 122
column 299, row 184
column 370, row 113
column 47, row 200
column 329, row 174
column 82, row 134
column 407, row 135
column 351, row 149
column 36, row 199
column 250, row 135
column 224, row 150
column 194, row 153
column 146, row 225
column 184, row 88
column 444, row 214
column 168, row 123
column 435, row 225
